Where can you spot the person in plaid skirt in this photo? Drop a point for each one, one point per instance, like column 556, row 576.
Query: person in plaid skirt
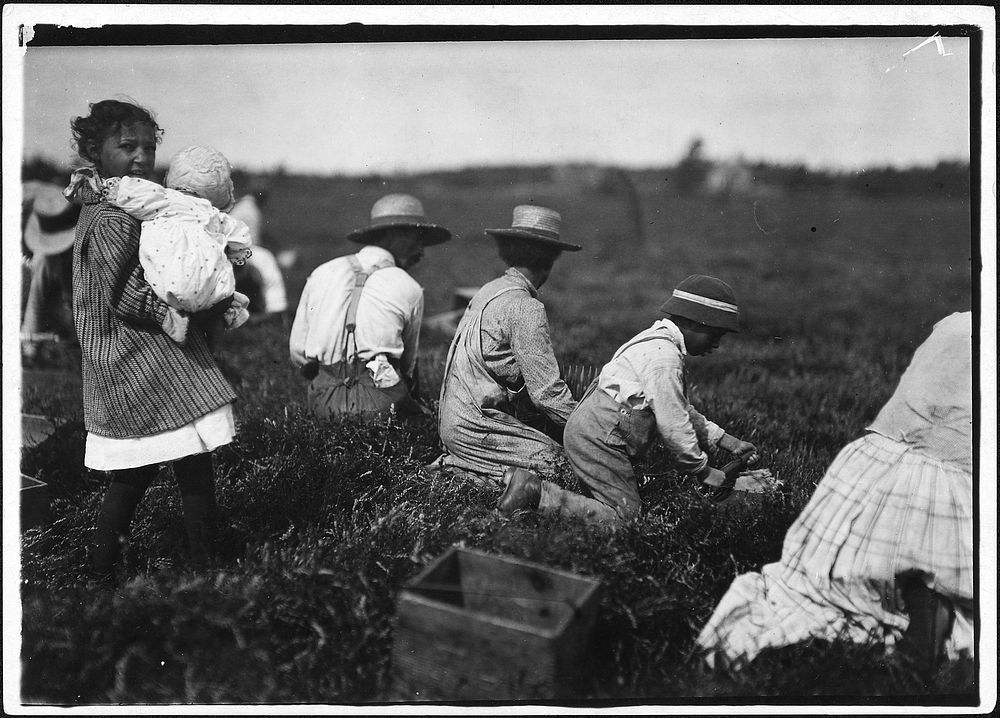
column 883, row 550
column 152, row 393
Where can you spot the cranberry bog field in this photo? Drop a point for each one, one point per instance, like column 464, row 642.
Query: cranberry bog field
column 322, row 523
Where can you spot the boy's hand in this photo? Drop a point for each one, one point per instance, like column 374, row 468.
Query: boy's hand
column 737, row 447
column 714, row 485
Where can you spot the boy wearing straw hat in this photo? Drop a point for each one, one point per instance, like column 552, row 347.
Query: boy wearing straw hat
column 357, row 328
column 638, row 395
column 503, row 402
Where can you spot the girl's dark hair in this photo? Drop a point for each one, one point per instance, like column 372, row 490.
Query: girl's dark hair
column 105, row 119
column 519, row 252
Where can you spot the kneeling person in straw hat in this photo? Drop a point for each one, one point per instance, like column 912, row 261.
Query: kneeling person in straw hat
column 357, row 328
column 501, row 387
column 638, row 394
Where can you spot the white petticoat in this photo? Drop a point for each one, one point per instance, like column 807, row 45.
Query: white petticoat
column 205, row 433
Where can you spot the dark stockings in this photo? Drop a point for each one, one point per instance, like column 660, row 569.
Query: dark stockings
column 196, row 480
column 931, row 616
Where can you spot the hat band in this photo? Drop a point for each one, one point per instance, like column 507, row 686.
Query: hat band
column 534, row 229
column 388, row 219
column 706, row 302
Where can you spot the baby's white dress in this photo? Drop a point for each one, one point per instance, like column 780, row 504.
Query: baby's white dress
column 187, row 247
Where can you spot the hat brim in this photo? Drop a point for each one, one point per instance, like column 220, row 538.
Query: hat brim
column 540, row 238
column 716, row 318
column 46, row 243
column 430, row 234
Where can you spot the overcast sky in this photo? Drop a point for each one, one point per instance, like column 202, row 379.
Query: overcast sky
column 355, row 108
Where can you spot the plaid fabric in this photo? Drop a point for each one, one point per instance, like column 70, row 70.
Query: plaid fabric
column 136, row 380
column 881, row 509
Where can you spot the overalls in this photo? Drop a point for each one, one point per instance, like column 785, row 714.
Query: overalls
column 602, row 438
column 476, row 416
column 347, row 386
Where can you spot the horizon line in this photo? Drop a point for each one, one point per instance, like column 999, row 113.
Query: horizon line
column 729, row 161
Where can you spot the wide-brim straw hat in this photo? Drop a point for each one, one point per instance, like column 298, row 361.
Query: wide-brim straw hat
column 51, row 223
column 403, row 211
column 705, row 300
column 539, row 224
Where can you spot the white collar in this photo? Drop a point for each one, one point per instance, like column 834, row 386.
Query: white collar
column 672, row 331
column 371, row 255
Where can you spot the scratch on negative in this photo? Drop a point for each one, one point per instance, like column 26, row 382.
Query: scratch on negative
column 938, row 42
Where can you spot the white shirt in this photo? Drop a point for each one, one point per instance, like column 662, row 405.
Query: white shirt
column 650, row 374
column 390, row 311
column 272, row 283
column 263, row 261
column 249, row 213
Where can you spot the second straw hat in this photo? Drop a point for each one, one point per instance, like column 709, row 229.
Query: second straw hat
column 539, row 224
column 400, row 210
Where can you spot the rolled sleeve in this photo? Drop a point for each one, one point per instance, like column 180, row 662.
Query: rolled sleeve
column 708, row 432
column 531, row 344
column 236, row 233
column 664, row 390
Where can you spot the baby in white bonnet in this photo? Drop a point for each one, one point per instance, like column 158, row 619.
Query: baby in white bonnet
column 188, row 244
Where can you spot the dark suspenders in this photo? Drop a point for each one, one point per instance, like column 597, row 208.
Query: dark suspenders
column 360, row 277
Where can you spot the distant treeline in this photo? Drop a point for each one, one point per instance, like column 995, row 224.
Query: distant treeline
column 692, row 175
column 951, row 179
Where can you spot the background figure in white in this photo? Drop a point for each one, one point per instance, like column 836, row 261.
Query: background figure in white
column 883, row 550
column 261, row 278
column 188, row 244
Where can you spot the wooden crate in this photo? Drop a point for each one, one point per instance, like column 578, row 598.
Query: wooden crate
column 34, row 502
column 475, row 626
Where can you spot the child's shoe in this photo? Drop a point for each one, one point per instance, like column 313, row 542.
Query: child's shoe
column 237, row 314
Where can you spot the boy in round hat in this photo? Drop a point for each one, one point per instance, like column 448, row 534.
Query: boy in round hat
column 503, row 403
column 638, row 395
column 357, row 327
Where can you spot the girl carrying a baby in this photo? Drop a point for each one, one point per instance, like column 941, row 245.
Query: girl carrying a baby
column 152, row 393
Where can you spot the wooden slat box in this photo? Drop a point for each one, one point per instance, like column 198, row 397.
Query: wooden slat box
column 34, row 502
column 476, row 626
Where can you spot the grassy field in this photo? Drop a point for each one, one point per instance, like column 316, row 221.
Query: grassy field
column 323, row 522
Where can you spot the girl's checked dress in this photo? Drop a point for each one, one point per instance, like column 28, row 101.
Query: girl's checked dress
column 898, row 499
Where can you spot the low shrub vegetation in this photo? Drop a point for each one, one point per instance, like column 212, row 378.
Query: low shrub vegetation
column 321, row 523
